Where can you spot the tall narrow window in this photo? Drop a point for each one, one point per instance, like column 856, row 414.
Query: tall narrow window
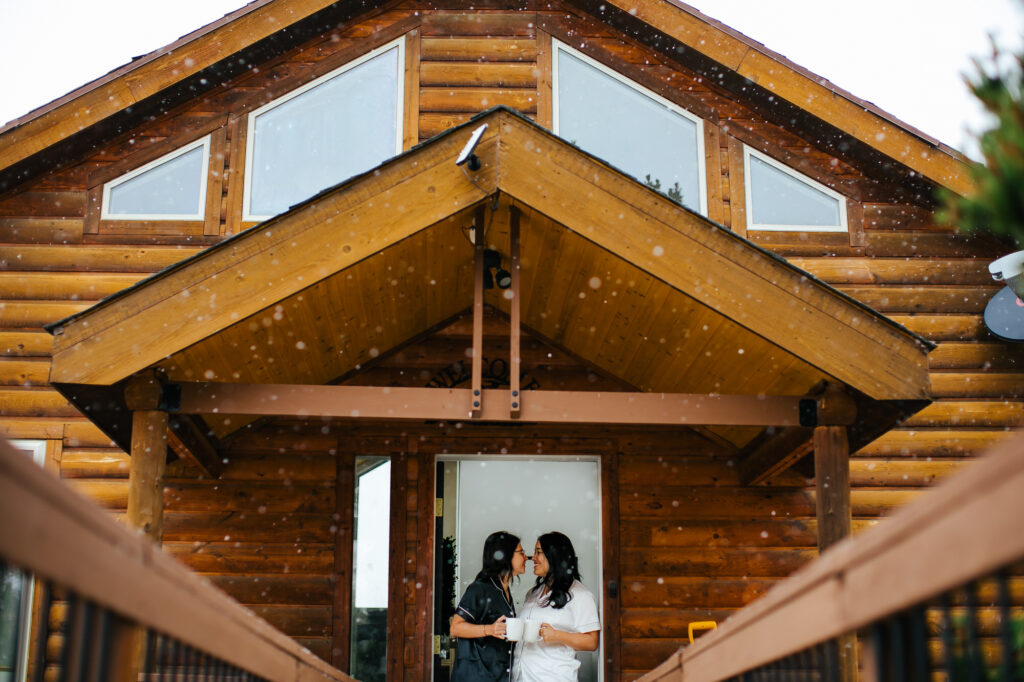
column 779, row 198
column 16, row 597
column 370, row 569
column 630, row 127
column 327, row 131
column 172, row 187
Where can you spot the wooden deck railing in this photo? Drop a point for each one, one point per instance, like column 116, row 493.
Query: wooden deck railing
column 123, row 609
column 934, row 593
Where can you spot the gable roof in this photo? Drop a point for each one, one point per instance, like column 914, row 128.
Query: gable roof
column 385, row 250
column 210, row 55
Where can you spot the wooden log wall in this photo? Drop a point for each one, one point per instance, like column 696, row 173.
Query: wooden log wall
column 695, row 545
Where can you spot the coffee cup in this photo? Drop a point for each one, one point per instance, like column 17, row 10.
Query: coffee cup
column 531, row 633
column 514, row 629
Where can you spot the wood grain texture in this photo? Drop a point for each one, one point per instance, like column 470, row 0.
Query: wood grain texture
column 832, row 484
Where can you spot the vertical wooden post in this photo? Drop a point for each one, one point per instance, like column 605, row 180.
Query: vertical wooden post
column 514, row 355
column 341, row 613
column 145, row 501
column 146, row 472
column 479, row 243
column 832, row 484
column 148, row 456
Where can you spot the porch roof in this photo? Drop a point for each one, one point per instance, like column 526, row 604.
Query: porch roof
column 617, row 274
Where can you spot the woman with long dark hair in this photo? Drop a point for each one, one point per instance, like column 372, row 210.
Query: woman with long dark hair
column 482, row 653
column 567, row 611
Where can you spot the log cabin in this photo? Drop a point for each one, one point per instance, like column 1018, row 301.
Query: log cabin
column 609, row 268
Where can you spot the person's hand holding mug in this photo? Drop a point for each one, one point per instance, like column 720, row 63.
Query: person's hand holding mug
column 548, row 634
column 497, row 628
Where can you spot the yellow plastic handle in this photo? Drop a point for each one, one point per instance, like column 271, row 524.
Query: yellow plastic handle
column 701, row 625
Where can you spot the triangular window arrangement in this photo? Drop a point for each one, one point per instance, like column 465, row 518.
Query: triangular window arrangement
column 172, row 187
column 331, row 129
column 781, row 199
column 630, row 127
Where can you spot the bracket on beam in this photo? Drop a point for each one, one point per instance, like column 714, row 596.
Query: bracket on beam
column 187, row 436
column 775, row 450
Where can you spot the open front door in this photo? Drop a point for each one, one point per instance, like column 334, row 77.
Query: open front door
column 527, row 496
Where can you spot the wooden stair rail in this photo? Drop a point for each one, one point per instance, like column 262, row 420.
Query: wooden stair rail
column 968, row 527
column 60, row 536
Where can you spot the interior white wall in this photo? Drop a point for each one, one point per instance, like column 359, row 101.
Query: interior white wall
column 529, row 497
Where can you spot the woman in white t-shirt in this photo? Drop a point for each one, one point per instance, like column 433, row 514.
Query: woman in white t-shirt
column 567, row 611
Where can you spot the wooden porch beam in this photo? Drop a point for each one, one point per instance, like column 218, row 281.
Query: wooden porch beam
column 375, row 402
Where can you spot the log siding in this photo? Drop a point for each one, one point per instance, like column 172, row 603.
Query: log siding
column 693, row 543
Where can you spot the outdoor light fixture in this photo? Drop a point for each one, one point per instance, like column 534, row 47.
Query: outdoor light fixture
column 466, row 156
column 501, row 276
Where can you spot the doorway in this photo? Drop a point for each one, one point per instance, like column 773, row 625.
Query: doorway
column 525, row 496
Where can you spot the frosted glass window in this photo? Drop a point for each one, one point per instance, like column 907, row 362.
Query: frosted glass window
column 171, row 188
column 338, row 126
column 779, row 198
column 630, row 127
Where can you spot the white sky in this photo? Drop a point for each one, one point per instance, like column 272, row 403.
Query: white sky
column 906, row 56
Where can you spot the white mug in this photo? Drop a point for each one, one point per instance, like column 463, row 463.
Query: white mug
column 532, row 631
column 514, row 629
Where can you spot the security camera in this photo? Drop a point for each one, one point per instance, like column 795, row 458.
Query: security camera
column 467, row 155
column 1011, row 270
